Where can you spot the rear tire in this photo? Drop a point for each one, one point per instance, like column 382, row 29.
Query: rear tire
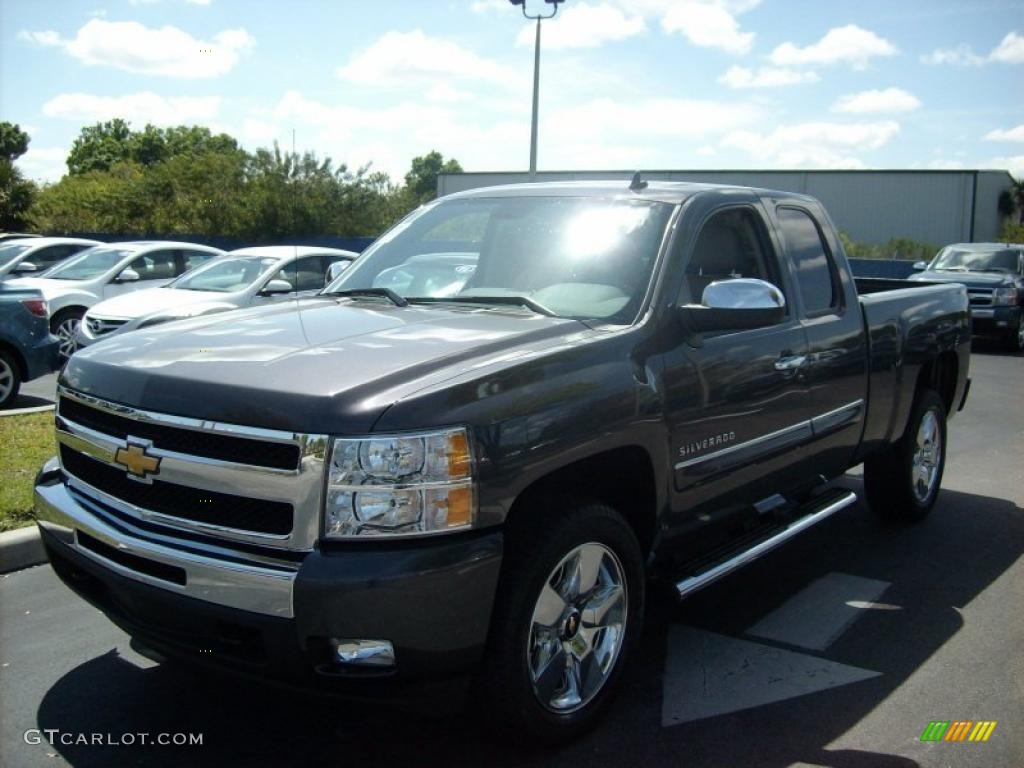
column 903, row 481
column 10, row 380
column 568, row 610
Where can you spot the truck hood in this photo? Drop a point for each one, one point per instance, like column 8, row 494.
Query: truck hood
column 152, row 300
column 319, row 365
column 970, row 279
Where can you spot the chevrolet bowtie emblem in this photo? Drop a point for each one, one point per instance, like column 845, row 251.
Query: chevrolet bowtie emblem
column 135, row 459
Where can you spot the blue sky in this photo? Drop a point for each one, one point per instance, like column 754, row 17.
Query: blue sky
column 625, row 83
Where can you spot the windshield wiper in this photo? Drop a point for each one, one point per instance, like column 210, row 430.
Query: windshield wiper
column 387, row 293
column 951, row 269
column 1001, row 270
column 511, row 301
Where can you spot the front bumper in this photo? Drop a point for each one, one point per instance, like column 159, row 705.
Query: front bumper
column 987, row 321
column 431, row 600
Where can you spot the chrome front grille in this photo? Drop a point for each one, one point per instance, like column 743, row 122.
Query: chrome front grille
column 100, row 326
column 223, row 481
column 980, row 297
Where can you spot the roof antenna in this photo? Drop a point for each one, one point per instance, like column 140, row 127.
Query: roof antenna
column 637, row 183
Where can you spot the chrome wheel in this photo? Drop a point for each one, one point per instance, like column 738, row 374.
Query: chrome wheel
column 6, row 380
column 67, row 332
column 927, row 456
column 578, row 628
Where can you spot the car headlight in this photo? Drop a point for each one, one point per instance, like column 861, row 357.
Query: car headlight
column 400, row 485
column 1004, row 295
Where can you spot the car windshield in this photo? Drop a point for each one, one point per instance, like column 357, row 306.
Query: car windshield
column 583, row 258
column 225, row 275
column 90, row 263
column 9, row 253
column 968, row 260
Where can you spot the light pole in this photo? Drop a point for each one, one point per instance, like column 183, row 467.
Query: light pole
column 536, row 74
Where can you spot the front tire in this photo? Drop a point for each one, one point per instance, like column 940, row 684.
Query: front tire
column 903, row 481
column 64, row 326
column 568, row 610
column 10, row 380
column 1014, row 340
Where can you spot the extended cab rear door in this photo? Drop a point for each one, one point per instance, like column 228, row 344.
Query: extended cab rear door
column 736, row 402
column 830, row 314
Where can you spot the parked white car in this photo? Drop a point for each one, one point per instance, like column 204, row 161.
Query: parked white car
column 22, row 257
column 105, row 271
column 243, row 278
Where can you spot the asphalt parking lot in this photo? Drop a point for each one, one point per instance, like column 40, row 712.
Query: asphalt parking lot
column 837, row 650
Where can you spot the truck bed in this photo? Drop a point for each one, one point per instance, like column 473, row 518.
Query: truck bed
column 908, row 324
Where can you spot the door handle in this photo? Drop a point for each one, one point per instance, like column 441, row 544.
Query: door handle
column 790, row 362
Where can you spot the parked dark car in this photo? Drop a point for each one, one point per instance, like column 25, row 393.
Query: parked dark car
column 994, row 276
column 468, row 480
column 27, row 350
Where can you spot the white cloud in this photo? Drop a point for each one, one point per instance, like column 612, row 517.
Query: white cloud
column 44, row 163
column 960, row 56
column 875, row 101
column 165, row 52
column 1014, row 164
column 814, row 144
column 1010, row 50
column 1010, row 134
column 487, row 6
column 708, row 25
column 582, row 25
column 765, row 77
column 851, row 45
column 409, row 58
column 139, row 108
column 647, row 118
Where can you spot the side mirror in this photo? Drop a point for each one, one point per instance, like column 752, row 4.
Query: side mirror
column 335, row 270
column 736, row 305
column 275, row 287
column 920, row 266
column 26, row 267
column 128, row 275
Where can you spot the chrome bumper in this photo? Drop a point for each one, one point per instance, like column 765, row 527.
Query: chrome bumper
column 248, row 587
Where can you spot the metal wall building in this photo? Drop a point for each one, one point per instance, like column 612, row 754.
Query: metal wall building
column 935, row 207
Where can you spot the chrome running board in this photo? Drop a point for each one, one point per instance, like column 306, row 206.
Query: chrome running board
column 823, row 509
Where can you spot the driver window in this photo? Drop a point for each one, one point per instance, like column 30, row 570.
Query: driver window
column 731, row 244
column 288, row 273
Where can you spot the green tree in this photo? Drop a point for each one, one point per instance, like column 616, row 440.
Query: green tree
column 1017, row 191
column 99, row 147
column 421, row 180
column 16, row 193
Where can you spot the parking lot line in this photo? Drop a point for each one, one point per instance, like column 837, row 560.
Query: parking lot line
column 707, row 674
column 817, row 615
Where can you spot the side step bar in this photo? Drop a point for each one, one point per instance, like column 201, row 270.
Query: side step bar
column 830, row 506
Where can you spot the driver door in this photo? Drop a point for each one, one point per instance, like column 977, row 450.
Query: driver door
column 736, row 401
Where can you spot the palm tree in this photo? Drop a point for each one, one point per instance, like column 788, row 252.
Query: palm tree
column 1017, row 190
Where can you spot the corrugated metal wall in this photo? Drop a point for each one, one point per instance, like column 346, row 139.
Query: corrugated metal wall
column 872, row 206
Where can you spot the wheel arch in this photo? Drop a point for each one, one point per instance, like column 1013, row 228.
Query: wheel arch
column 622, row 477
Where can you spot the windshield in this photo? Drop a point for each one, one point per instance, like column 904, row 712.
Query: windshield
column 9, row 253
column 967, row 260
column 225, row 275
column 583, row 258
column 90, row 263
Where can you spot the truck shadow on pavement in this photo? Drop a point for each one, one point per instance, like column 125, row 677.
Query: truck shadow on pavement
column 935, row 569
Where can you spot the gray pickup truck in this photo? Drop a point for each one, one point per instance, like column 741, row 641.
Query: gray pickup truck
column 469, row 477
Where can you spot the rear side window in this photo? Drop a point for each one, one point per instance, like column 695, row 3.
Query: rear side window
column 815, row 271
column 192, row 259
column 156, row 265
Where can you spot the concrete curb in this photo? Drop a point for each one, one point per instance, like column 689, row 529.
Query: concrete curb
column 33, row 409
column 21, row 548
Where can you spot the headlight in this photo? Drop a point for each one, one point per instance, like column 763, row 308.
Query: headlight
column 1004, row 294
column 394, row 485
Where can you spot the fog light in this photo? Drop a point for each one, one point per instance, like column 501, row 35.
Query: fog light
column 363, row 653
